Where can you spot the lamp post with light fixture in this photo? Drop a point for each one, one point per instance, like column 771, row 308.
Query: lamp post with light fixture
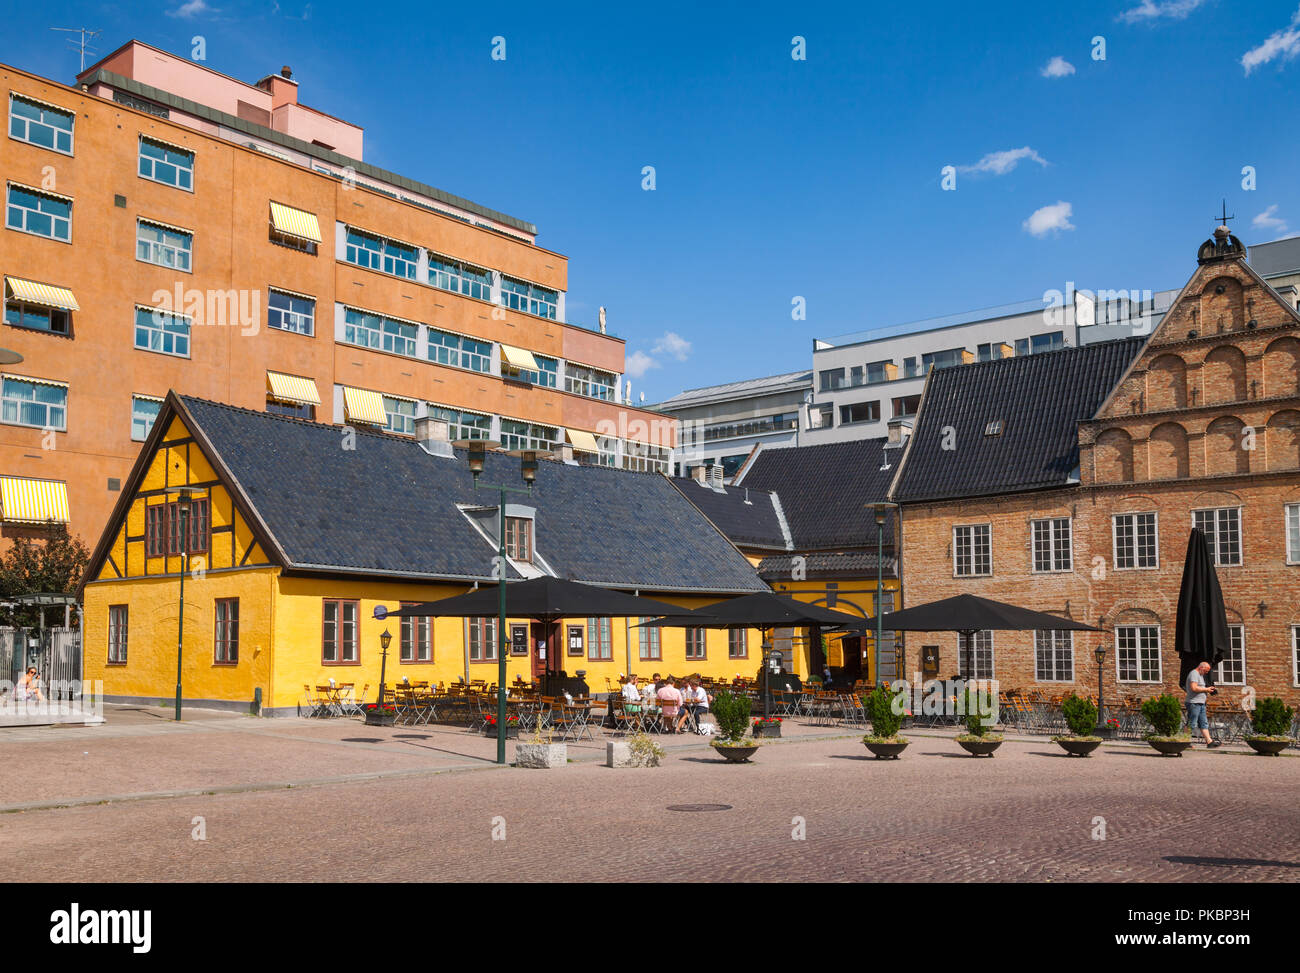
column 1102, row 729
column 880, row 509
column 183, row 506
column 376, row 716
column 477, row 454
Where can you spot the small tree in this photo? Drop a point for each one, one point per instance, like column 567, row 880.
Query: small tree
column 731, row 712
column 880, row 707
column 51, row 565
column 1080, row 715
column 1271, row 717
column 979, row 707
column 1165, row 715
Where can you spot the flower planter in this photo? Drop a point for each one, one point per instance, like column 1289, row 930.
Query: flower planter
column 378, row 717
column 1268, row 747
column 887, row 751
column 1169, row 748
column 512, row 732
column 1077, row 746
column 766, row 730
column 544, row 756
column 736, row 753
column 979, row 748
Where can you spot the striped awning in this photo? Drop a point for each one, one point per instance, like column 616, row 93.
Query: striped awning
column 362, row 405
column 519, row 358
column 584, row 441
column 295, row 222
column 292, row 388
column 46, row 295
column 33, row 501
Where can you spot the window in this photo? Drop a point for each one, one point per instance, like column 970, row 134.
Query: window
column 647, row 641
column 339, row 632
column 821, row 416
column 1222, row 529
column 29, row 402
column 909, row 368
column 737, row 643
column 832, row 379
column 1292, row 512
column 975, row 655
column 600, row 645
column 144, row 410
column 943, row 359
column 294, row 410
column 39, row 124
column 290, row 312
column 37, row 317
column 1295, row 655
column 162, row 528
column 859, row 412
column 591, row 382
column 990, row 351
column 1136, row 541
column 482, row 639
column 748, row 427
column 1052, row 544
column 1051, row 341
column 462, row 425
column 878, row 371
column 644, row 458
column 519, row 538
column 166, row 164
column 994, row 427
column 695, row 646
column 225, row 638
column 460, row 278
column 907, row 405
column 521, row 296
column 575, row 640
column 162, row 331
column 117, row 616
column 1232, row 669
column 1054, row 656
column 547, row 374
column 31, row 211
column 731, row 464
column 459, row 351
column 163, row 245
column 292, row 241
column 528, row 435
column 141, row 104
column 401, row 415
column 417, row 640
column 972, row 550
column 377, row 253
column 1137, row 656
column 374, row 331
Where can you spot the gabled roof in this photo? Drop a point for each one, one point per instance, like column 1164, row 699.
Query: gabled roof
column 824, row 490
column 750, row 518
column 745, row 388
column 1039, row 401
column 386, row 508
column 853, row 564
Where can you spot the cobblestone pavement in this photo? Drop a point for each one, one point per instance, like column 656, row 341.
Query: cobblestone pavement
column 424, row 803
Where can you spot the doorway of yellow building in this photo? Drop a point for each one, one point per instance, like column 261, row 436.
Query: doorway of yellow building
column 544, row 648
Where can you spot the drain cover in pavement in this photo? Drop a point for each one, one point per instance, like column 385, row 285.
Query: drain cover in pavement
column 699, row 807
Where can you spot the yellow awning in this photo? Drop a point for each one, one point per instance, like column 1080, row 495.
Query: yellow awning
column 45, row 295
column 295, row 222
column 291, row 388
column 520, row 358
column 584, row 441
column 362, row 405
column 33, row 501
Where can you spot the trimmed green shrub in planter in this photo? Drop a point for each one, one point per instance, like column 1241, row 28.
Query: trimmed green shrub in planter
column 731, row 714
column 1165, row 714
column 883, row 740
column 980, row 711
column 1271, row 721
column 1081, row 717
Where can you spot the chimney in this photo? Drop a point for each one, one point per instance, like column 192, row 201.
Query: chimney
column 899, row 430
column 432, row 435
column 715, row 479
column 566, row 454
column 700, row 474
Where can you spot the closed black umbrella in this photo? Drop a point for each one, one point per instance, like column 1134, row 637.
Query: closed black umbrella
column 1201, row 626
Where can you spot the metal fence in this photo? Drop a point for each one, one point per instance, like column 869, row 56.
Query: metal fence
column 55, row 652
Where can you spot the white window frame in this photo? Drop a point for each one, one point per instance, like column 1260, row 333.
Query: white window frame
column 297, row 317
column 1050, row 648
column 189, row 332
column 1052, row 545
column 975, row 651
column 395, row 399
column 10, row 187
column 1114, row 540
column 972, row 573
column 1160, row 662
column 157, row 249
column 1240, row 632
column 1295, row 655
column 456, row 428
column 143, row 398
column 19, row 403
column 29, row 122
column 153, row 163
column 1291, row 529
column 531, row 439
column 382, row 338
column 1212, row 536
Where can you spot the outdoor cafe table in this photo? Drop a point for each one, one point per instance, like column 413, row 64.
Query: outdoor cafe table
column 333, row 697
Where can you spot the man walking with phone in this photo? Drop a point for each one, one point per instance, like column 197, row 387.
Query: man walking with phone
column 1197, row 693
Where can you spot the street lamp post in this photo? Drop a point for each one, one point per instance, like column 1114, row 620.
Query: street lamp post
column 881, row 510
column 1100, row 654
column 183, row 504
column 477, row 449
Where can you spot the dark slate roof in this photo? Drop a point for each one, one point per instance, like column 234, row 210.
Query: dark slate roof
column 1040, row 400
column 748, row 516
column 823, row 490
column 854, row 564
column 387, row 507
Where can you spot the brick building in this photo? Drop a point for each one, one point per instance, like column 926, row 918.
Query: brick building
column 1068, row 482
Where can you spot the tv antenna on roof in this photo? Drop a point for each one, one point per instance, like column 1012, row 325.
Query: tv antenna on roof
column 81, row 46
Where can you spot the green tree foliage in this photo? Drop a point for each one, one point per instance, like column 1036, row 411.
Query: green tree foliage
column 51, row 565
column 731, row 713
column 1165, row 714
column 880, row 707
column 1271, row 717
column 1080, row 715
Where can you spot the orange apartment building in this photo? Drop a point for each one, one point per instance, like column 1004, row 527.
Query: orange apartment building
column 168, row 227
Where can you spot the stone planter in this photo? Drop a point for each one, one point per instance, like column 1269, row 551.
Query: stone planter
column 512, row 732
column 738, row 753
column 379, row 717
column 1266, row 747
column 1105, row 732
column 1170, row 748
column 766, row 730
column 887, row 751
column 1077, row 747
column 980, row 748
column 546, row 756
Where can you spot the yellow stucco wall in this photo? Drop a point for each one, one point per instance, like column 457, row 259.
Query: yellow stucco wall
column 853, row 596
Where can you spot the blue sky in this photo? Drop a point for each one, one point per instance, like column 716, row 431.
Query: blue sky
column 778, row 178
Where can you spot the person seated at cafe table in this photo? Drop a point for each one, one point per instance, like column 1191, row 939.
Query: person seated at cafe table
column 652, row 687
column 630, row 693
column 670, row 699
column 697, row 694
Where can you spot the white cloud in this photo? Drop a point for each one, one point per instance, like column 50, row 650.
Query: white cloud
column 672, row 344
column 1151, row 10
column 637, row 364
column 1057, row 67
column 1050, row 219
column 1000, row 163
column 1268, row 222
column 191, row 8
column 1284, row 43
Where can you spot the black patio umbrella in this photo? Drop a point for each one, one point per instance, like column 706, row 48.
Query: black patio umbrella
column 763, row 609
column 545, row 599
column 1201, row 625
